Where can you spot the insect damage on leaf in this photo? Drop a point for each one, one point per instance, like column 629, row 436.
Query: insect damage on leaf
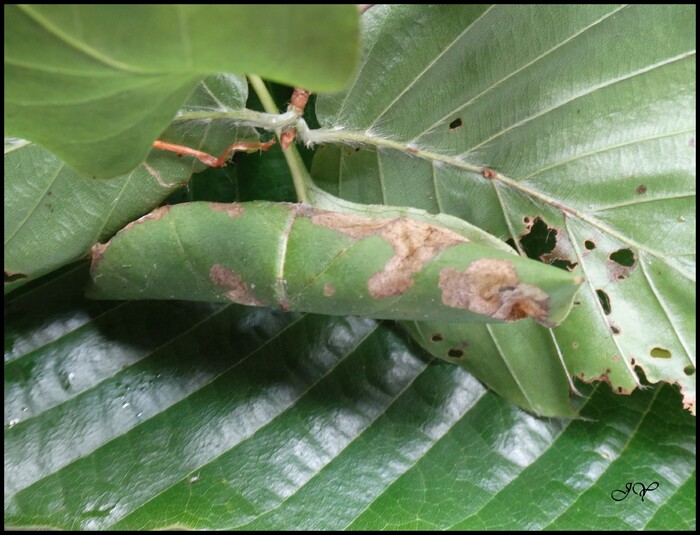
column 233, row 210
column 237, row 292
column 492, row 287
column 414, row 243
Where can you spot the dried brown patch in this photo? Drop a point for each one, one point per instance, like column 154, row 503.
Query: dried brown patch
column 491, row 287
column 414, row 243
column 232, row 209
column 237, row 292
column 97, row 252
column 12, row 276
column 328, row 290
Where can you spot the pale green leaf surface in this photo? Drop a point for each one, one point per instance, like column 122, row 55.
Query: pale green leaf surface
column 159, row 414
column 97, row 84
column 53, row 215
column 587, row 113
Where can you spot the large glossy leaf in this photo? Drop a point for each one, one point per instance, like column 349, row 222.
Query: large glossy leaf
column 573, row 126
column 53, row 215
column 170, row 414
column 97, row 84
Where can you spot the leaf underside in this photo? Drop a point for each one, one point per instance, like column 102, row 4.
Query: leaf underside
column 589, row 128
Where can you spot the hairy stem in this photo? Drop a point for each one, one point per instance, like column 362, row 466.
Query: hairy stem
column 300, row 175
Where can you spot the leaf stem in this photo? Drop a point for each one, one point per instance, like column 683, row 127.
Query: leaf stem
column 300, row 175
column 266, row 121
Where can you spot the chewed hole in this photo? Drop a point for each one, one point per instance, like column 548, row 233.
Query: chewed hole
column 457, row 123
column 455, row 353
column 660, row 353
column 437, row 337
column 511, row 242
column 689, row 369
column 604, row 301
column 589, row 245
column 624, row 257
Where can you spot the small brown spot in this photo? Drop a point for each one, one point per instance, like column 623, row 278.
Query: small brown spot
column 237, row 292
column 574, row 345
column 232, row 209
column 328, row 290
column 455, row 353
column 411, row 150
column 492, row 288
column 615, row 329
column 488, row 173
column 437, row 337
column 414, row 244
column 641, row 189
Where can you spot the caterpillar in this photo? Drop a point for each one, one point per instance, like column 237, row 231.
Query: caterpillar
column 299, row 257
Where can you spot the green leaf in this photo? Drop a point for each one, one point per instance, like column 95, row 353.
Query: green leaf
column 569, row 126
column 97, row 84
column 302, row 258
column 155, row 415
column 53, row 215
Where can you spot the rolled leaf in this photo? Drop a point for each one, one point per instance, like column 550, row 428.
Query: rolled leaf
column 298, row 257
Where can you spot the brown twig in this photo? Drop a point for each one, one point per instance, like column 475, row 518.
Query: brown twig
column 299, row 99
column 208, row 159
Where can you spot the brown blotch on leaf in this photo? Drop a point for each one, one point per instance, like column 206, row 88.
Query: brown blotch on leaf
column 455, row 353
column 641, row 189
column 414, row 243
column 437, row 337
column 237, row 292
column 328, row 290
column 232, row 209
column 489, row 173
column 492, row 288
column 97, row 251
column 14, row 276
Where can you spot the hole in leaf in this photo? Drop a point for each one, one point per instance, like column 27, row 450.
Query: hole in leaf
column 526, row 220
column 562, row 263
column 604, row 301
column 660, row 353
column 437, row 337
column 589, row 245
column 641, row 189
column 540, row 240
column 689, row 369
column 455, row 353
column 457, row 123
column 511, row 242
column 624, row 257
